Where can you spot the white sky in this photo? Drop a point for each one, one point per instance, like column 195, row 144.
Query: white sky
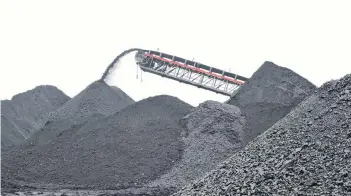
column 70, row 43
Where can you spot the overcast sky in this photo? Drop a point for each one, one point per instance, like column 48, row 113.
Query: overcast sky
column 69, row 44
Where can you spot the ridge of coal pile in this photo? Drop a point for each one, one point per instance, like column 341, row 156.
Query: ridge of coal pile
column 214, row 131
column 306, row 153
column 126, row 149
column 270, row 94
column 96, row 100
column 25, row 112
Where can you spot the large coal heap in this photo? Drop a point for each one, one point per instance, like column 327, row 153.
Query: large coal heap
column 268, row 96
column 307, row 152
column 25, row 113
column 128, row 148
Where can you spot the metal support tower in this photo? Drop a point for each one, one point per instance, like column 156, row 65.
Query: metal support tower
column 189, row 72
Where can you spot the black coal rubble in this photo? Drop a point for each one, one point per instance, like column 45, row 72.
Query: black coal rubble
column 299, row 155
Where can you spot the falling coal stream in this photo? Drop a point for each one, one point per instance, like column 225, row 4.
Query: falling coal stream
column 113, row 63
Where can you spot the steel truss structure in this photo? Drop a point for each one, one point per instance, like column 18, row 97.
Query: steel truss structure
column 189, row 72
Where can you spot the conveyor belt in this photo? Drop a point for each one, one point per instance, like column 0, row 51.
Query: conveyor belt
column 189, row 72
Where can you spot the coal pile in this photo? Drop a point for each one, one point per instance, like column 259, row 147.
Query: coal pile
column 213, row 132
column 25, row 113
column 126, row 149
column 96, row 100
column 270, row 94
column 101, row 139
column 306, row 153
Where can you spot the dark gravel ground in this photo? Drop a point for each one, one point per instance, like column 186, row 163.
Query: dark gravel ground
column 25, row 113
column 129, row 148
column 67, row 192
column 214, row 132
column 306, row 153
column 270, row 94
column 21, row 189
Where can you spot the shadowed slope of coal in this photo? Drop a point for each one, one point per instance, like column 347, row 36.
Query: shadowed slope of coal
column 214, row 131
column 129, row 148
column 306, row 153
column 25, row 113
column 270, row 94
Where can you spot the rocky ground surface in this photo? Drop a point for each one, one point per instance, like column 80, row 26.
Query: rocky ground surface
column 306, row 153
column 270, row 93
column 68, row 192
column 25, row 113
